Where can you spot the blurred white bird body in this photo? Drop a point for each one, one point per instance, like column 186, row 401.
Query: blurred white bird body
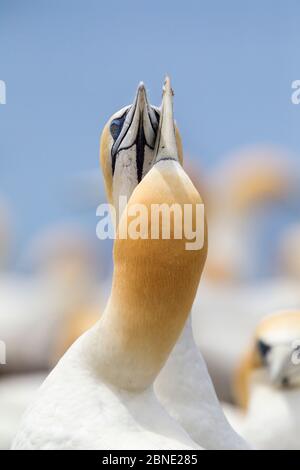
column 273, row 417
column 34, row 307
column 31, row 310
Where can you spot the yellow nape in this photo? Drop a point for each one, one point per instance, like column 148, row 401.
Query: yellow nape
column 255, row 175
column 105, row 161
column 288, row 320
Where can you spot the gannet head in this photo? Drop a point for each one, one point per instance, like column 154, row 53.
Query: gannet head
column 127, row 146
column 276, row 351
column 251, row 177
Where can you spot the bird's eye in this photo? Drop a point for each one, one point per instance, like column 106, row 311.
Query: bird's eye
column 116, row 127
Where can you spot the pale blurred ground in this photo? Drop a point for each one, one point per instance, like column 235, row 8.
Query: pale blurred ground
column 68, row 66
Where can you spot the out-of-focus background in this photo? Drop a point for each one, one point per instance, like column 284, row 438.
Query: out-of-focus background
column 67, row 67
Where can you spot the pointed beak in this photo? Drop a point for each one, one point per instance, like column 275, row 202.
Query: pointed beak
column 139, row 129
column 138, row 106
column 166, row 147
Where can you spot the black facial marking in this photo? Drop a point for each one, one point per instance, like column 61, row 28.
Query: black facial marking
column 140, row 151
column 140, row 143
column 166, row 158
column 263, row 348
column 154, row 125
column 115, row 129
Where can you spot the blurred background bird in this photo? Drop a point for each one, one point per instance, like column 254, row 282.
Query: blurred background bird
column 267, row 384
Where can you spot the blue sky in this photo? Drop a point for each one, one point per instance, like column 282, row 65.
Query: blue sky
column 68, row 65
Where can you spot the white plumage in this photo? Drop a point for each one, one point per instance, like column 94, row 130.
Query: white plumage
column 75, row 409
column 273, row 418
column 185, row 389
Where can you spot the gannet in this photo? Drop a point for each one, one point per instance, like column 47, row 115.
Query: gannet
column 183, row 386
column 100, row 394
column 246, row 182
column 268, row 384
